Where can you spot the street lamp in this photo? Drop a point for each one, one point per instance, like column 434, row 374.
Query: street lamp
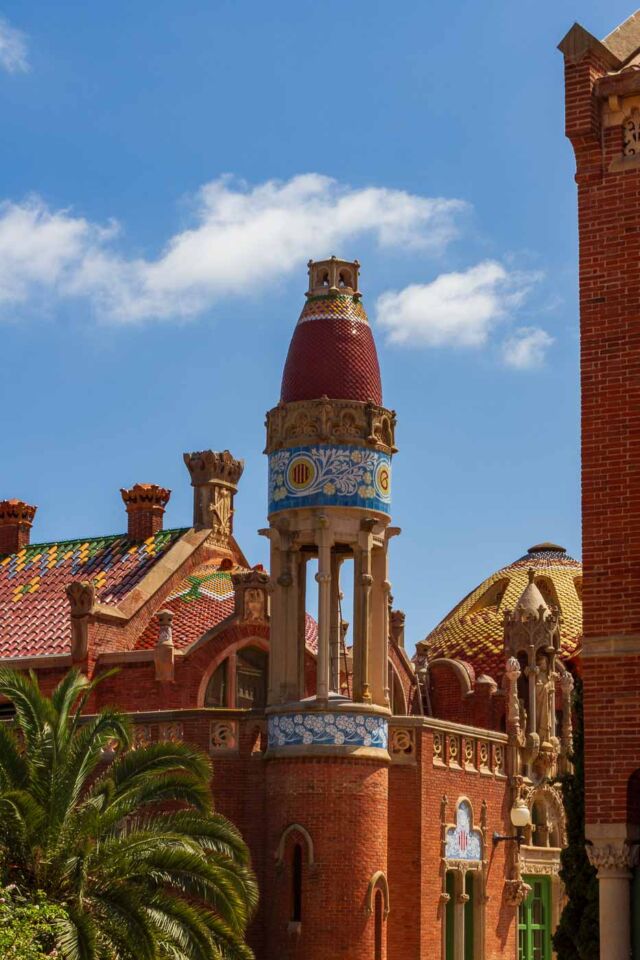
column 520, row 817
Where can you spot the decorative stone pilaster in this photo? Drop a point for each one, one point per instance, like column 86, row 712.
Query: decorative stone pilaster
column 164, row 653
column 214, row 477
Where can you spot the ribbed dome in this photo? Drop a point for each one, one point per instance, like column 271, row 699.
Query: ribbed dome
column 332, row 353
column 473, row 630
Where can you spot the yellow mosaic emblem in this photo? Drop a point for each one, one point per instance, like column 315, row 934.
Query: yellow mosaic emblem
column 301, row 472
column 383, row 480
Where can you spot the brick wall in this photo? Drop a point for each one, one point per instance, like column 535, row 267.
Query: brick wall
column 609, row 236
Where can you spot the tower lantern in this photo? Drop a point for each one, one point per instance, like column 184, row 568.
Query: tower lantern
column 330, row 443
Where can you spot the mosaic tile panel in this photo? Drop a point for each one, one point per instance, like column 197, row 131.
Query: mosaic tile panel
column 329, row 729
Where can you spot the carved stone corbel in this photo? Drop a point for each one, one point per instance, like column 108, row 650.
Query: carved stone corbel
column 81, row 595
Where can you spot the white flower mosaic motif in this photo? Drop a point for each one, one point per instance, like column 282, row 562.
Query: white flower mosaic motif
column 335, row 473
column 463, row 843
column 328, row 729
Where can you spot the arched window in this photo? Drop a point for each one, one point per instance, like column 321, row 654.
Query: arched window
column 239, row 681
column 296, row 884
column 378, row 914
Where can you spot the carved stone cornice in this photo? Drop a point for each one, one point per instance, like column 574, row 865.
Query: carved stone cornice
column 330, row 421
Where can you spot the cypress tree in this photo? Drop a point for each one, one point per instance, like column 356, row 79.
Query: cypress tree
column 577, row 936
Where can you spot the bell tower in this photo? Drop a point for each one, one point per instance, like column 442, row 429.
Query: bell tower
column 330, row 443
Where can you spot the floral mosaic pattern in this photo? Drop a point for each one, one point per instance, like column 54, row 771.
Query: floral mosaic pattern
column 329, row 475
column 333, row 729
column 463, row 843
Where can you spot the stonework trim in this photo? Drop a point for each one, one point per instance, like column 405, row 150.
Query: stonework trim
column 378, row 882
column 306, row 836
column 615, row 646
column 448, row 726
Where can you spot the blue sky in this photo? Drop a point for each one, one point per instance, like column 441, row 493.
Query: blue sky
column 167, row 171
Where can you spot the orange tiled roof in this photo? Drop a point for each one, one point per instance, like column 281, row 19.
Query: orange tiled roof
column 34, row 610
column 473, row 630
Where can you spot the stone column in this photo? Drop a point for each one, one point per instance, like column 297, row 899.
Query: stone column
column 613, row 862
column 335, row 625
column 323, row 579
column 362, row 582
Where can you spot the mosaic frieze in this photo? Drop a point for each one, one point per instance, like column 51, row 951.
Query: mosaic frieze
column 328, row 729
column 329, row 476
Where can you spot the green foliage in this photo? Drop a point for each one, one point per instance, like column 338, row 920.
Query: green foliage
column 28, row 927
column 577, row 936
column 126, row 843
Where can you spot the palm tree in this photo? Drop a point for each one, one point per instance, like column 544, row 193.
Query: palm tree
column 126, row 842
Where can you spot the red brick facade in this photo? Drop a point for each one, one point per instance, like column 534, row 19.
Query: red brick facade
column 608, row 179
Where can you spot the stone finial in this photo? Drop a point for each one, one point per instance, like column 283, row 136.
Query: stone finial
column 164, row 652
column 214, row 477
column 16, row 518
column 81, row 595
column 396, row 621
column 332, row 277
column 145, row 503
column 531, row 599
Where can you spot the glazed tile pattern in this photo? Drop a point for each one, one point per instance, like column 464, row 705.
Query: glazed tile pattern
column 329, row 476
column 473, row 630
column 328, row 729
column 332, row 353
column 34, row 610
column 463, row 843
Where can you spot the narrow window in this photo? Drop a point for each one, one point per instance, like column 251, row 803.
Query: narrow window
column 216, row 695
column 296, row 885
column 378, row 915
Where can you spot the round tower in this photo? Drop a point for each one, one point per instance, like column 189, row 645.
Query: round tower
column 330, row 443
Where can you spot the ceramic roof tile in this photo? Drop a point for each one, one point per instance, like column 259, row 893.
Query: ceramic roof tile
column 473, row 630
column 34, row 611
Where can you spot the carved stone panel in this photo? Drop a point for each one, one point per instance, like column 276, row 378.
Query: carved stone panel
column 223, row 736
column 402, row 744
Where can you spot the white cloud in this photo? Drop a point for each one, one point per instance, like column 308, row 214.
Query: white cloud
column 13, row 49
column 244, row 238
column 526, row 348
column 455, row 309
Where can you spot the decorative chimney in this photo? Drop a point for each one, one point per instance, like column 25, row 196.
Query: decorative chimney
column 16, row 518
column 214, row 477
column 145, row 503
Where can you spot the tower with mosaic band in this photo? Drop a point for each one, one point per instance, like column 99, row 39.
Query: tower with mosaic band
column 330, row 443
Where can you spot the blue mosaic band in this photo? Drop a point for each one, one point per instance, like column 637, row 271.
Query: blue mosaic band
column 338, row 476
column 328, row 729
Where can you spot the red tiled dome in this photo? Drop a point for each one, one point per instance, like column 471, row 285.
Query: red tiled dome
column 332, row 353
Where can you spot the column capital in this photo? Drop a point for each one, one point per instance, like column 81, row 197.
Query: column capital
column 613, row 859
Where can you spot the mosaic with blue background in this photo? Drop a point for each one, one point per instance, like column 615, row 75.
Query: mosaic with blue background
column 328, row 729
column 338, row 476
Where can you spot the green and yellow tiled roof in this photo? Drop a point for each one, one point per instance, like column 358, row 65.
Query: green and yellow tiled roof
column 34, row 609
column 473, row 630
